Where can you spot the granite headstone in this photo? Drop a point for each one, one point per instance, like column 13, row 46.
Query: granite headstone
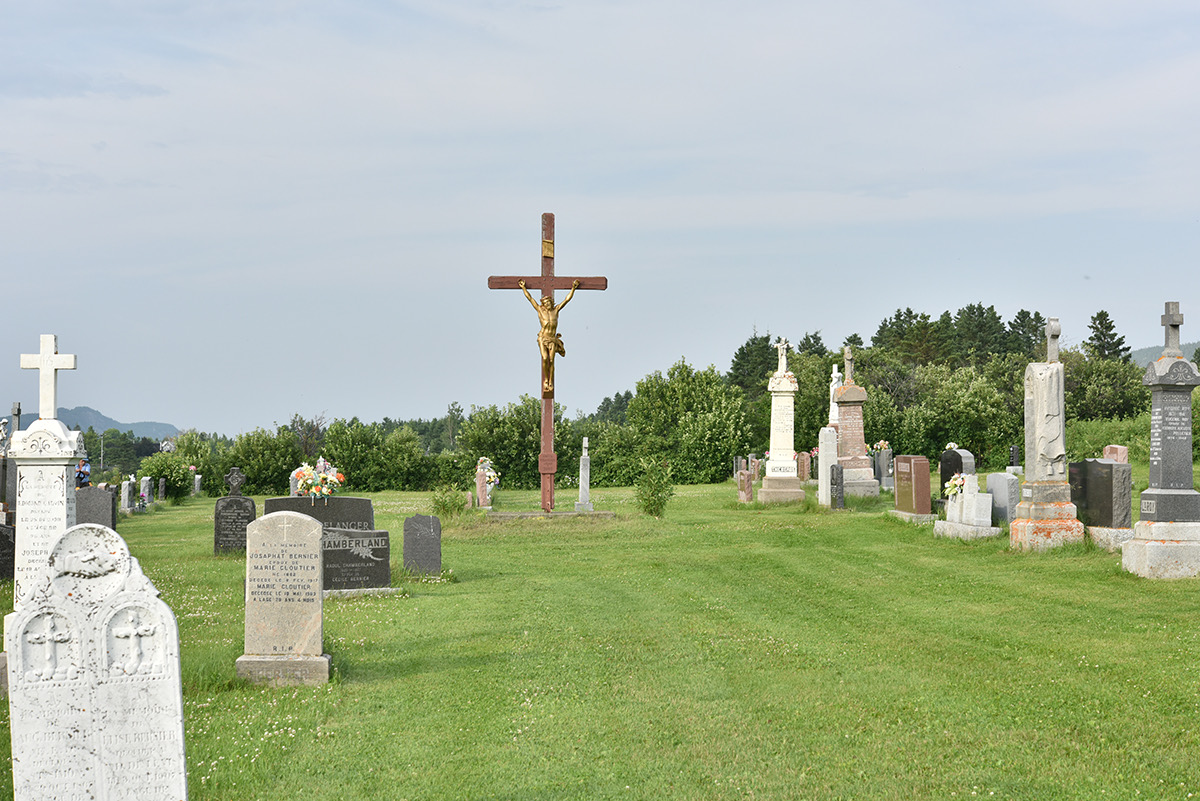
column 232, row 514
column 423, row 544
column 96, row 505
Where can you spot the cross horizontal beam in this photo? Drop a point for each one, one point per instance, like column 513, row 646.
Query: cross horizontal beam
column 547, row 282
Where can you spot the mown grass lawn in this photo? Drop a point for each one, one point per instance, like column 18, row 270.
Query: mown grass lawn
column 720, row 652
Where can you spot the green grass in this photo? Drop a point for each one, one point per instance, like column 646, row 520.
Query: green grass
column 720, row 652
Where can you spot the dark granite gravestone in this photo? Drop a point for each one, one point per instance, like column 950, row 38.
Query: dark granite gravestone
column 1171, row 496
column 1102, row 489
column 882, row 462
column 356, row 559
column 955, row 461
column 232, row 515
column 352, row 550
column 162, row 489
column 1014, row 455
column 8, row 552
column 837, row 487
column 96, row 505
column 912, row 485
column 10, row 494
column 423, row 544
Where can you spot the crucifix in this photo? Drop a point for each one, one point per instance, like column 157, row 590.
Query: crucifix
column 1171, row 321
column 549, row 340
column 49, row 361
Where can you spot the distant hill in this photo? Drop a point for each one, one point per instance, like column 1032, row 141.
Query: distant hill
column 1143, row 356
column 84, row 416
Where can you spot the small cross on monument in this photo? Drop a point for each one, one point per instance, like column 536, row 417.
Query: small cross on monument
column 1053, row 331
column 1171, row 321
column 549, row 340
column 49, row 361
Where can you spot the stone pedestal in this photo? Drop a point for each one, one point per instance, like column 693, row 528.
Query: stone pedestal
column 44, row 455
column 859, row 472
column 1163, row 550
column 1046, row 518
column 584, row 504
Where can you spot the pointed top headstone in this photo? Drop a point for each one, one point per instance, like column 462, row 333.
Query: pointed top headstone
column 1171, row 321
column 48, row 361
column 1053, row 331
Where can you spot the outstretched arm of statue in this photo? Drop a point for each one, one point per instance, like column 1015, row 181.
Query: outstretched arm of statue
column 571, row 294
column 528, row 297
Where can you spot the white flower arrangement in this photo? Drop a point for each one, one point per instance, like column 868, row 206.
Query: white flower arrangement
column 951, row 446
column 491, row 474
column 955, row 485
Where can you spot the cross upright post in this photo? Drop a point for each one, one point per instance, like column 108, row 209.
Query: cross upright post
column 49, row 361
column 1053, row 331
column 1171, row 321
column 549, row 342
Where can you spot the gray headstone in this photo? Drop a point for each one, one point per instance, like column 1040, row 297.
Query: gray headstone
column 8, row 552
column 584, row 504
column 10, row 483
column 955, row 461
column 231, row 516
column 127, row 496
column 1014, row 455
column 197, row 482
column 1171, row 495
column 93, row 671
column 884, row 469
column 284, row 602
column 96, row 505
column 147, row 494
column 350, row 562
column 1005, row 489
column 837, row 487
column 1109, row 487
column 423, row 544
column 162, row 489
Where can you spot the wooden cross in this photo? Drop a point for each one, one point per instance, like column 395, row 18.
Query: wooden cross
column 1171, row 321
column 49, row 361
column 547, row 282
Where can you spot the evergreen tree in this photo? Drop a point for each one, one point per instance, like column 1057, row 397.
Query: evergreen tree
column 812, row 344
column 753, row 363
column 854, row 341
column 1104, row 343
column 980, row 331
column 1027, row 333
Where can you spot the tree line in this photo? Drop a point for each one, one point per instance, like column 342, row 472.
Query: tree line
column 954, row 378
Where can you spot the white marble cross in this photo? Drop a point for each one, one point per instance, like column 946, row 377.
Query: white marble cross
column 1171, row 321
column 1053, row 331
column 49, row 361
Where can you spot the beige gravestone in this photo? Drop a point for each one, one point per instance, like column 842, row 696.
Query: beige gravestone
column 283, row 602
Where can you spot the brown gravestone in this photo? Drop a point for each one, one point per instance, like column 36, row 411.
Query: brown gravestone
column 912, row 485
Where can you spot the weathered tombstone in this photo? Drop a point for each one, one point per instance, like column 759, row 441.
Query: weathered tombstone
column 8, row 553
column 968, row 513
column 162, row 489
column 96, row 505
column 1117, row 453
column 584, row 504
column 293, row 485
column 804, row 465
column 284, row 602
column 232, row 515
column 781, row 482
column 826, row 458
column 96, row 705
column 745, row 487
column 1014, row 455
column 147, row 495
column 1045, row 516
column 197, row 483
column 481, row 494
column 44, row 455
column 126, row 496
column 423, row 544
column 1166, row 540
column 956, row 460
column 851, row 444
column 913, row 501
column 755, row 468
column 882, row 462
column 356, row 556
column 837, row 487
column 1005, row 489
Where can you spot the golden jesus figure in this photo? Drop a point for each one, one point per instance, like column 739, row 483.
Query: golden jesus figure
column 549, row 340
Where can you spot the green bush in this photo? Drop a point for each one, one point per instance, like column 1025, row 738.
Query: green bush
column 653, row 488
column 266, row 459
column 447, row 501
column 356, row 450
column 171, row 467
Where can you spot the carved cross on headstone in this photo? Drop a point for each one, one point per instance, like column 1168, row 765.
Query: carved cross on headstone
column 849, row 356
column 49, row 361
column 1171, row 321
column 235, row 479
column 135, row 632
column 1053, row 331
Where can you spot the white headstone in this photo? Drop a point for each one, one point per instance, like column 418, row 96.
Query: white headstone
column 826, row 458
column 145, row 491
column 95, row 701
column 584, row 504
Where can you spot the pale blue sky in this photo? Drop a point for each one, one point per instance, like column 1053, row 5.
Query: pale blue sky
column 232, row 212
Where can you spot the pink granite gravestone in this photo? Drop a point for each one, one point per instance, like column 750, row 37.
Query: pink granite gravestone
column 1118, row 453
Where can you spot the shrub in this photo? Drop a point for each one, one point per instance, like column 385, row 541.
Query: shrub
column 653, row 488
column 447, row 501
column 266, row 459
column 171, row 467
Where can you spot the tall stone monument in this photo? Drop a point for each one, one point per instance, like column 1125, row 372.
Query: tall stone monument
column 782, row 479
column 1046, row 518
column 851, row 444
column 44, row 455
column 826, row 457
column 95, row 701
column 1166, row 538
column 584, row 504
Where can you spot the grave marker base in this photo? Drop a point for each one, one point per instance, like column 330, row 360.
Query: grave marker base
column 963, row 531
column 912, row 517
column 284, row 671
column 1110, row 539
column 780, row 489
column 1163, row 550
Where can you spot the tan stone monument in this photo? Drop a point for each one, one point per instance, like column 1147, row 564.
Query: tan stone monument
column 859, row 472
